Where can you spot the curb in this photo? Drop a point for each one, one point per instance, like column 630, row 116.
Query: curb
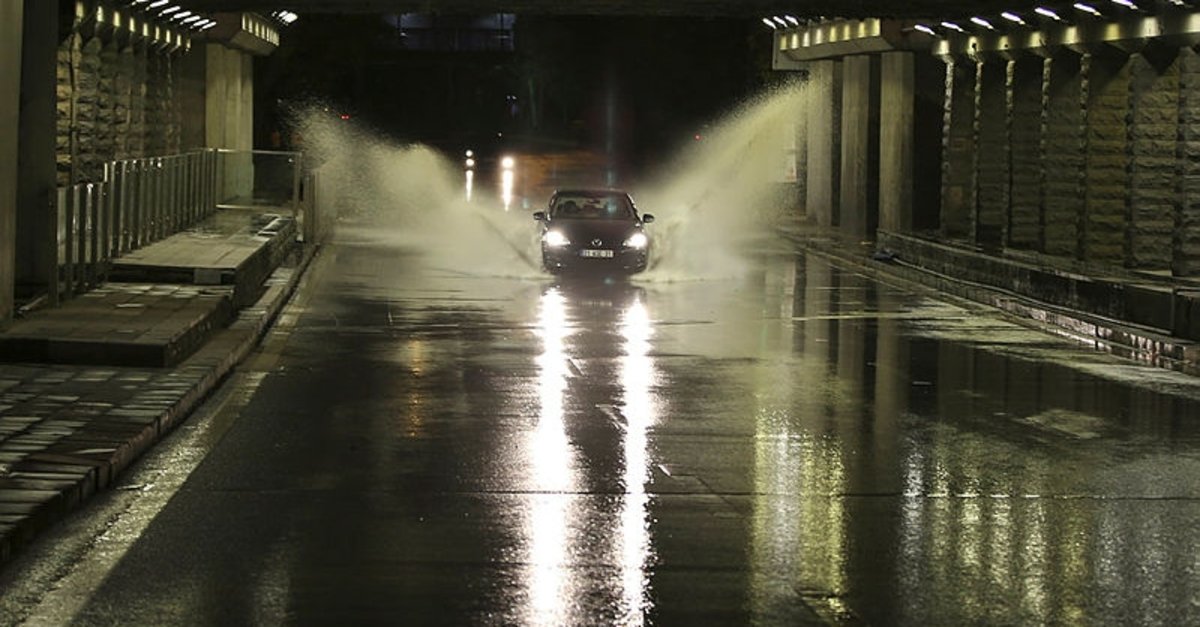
column 1142, row 344
column 87, row 473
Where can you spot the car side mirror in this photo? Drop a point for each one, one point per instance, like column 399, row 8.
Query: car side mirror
column 647, row 218
column 540, row 216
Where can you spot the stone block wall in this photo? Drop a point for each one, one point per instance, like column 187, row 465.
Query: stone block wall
column 68, row 55
column 1106, row 175
column 1186, row 241
column 89, row 151
column 1026, row 122
column 991, row 127
column 123, row 95
column 958, row 148
column 1153, row 134
column 105, row 146
column 115, row 101
column 1062, row 155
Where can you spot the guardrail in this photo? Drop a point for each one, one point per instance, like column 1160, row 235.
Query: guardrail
column 141, row 201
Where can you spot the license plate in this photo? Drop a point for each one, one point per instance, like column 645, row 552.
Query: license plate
column 596, row 254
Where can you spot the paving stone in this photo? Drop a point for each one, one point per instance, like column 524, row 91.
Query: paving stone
column 16, row 509
column 65, row 430
column 24, row 495
column 10, row 447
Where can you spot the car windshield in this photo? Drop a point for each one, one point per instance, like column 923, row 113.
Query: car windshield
column 592, row 207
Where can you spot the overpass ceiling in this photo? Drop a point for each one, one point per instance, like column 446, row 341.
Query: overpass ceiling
column 805, row 9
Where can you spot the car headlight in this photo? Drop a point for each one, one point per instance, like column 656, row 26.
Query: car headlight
column 637, row 240
column 555, row 239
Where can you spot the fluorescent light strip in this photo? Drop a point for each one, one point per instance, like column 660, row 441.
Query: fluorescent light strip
column 979, row 21
column 1013, row 17
column 1044, row 12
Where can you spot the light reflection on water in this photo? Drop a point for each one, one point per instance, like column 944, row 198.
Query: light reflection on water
column 636, row 377
column 998, row 515
column 560, row 548
column 552, row 511
column 890, row 471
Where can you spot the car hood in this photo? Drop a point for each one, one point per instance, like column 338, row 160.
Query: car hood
column 610, row 233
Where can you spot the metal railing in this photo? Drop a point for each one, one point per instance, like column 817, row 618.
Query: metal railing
column 140, row 201
column 259, row 179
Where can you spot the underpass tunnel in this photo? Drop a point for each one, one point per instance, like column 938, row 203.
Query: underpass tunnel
column 1067, row 142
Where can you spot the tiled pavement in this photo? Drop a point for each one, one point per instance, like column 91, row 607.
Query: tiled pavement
column 67, row 430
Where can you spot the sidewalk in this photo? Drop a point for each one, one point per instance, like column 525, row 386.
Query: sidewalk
column 106, row 375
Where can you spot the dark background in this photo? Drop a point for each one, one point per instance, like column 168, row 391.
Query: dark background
column 638, row 85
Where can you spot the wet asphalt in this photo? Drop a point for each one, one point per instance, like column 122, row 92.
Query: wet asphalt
column 797, row 445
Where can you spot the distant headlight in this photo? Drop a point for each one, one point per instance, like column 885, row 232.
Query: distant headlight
column 637, row 240
column 555, row 239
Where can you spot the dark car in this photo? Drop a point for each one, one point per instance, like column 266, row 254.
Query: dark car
column 587, row 229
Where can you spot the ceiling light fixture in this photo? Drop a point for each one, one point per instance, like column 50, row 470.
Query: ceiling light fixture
column 1044, row 12
column 979, row 21
column 1013, row 17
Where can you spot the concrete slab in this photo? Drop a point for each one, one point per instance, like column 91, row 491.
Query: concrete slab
column 234, row 247
column 165, row 299
column 121, row 324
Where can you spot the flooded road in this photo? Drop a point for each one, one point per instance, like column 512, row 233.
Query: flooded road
column 799, row 445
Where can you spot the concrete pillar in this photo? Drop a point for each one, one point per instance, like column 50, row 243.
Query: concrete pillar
column 1185, row 246
column 229, row 115
column 1063, row 153
column 910, row 141
column 897, row 132
column 992, row 153
column 824, row 148
column 245, row 138
column 1106, row 178
column 859, row 207
column 190, row 92
column 958, row 148
column 801, row 118
column 229, row 103
column 216, row 96
column 1026, row 124
column 37, row 217
column 10, row 89
column 1153, row 130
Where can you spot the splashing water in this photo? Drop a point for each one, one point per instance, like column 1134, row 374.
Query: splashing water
column 414, row 197
column 725, row 193
column 713, row 200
